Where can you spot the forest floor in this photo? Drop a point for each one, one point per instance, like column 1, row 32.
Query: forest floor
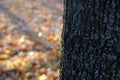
column 30, row 32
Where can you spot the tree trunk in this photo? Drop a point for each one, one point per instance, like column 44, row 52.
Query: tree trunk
column 91, row 40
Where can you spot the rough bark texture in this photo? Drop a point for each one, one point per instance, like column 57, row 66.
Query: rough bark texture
column 91, row 40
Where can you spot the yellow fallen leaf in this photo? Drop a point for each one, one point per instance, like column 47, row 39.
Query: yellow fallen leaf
column 43, row 77
column 3, row 56
column 7, row 51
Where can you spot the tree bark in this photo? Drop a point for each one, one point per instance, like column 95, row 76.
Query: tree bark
column 90, row 40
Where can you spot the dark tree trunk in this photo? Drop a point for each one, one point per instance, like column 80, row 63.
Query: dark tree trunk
column 91, row 40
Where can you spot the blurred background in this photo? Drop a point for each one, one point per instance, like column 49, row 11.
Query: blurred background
column 30, row 32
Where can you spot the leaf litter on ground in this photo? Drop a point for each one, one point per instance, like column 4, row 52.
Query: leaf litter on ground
column 26, row 28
